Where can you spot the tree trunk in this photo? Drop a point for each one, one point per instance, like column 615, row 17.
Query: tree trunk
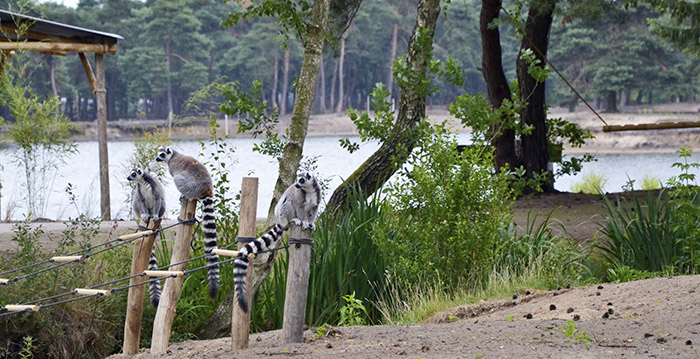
column 392, row 57
column 611, row 102
column 496, row 83
column 333, row 82
column 170, row 95
column 535, row 153
column 305, row 91
column 52, row 64
column 341, row 65
column 377, row 169
column 275, row 80
column 285, row 84
column 322, row 85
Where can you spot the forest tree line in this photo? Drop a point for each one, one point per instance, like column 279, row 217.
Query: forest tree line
column 172, row 48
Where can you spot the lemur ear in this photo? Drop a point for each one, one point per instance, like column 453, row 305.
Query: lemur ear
column 168, row 150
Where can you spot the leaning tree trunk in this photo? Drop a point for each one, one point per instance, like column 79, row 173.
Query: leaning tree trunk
column 305, row 91
column 496, row 83
column 535, row 153
column 219, row 324
column 377, row 169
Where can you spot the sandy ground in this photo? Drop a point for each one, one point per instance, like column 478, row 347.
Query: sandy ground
column 654, row 318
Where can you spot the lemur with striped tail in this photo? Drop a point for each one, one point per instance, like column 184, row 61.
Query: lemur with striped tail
column 148, row 201
column 298, row 205
column 194, row 182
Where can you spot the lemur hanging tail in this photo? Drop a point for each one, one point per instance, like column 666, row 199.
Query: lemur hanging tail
column 209, row 228
column 240, row 264
column 154, row 287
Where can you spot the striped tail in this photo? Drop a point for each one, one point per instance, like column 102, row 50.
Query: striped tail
column 154, row 287
column 212, row 260
column 240, row 264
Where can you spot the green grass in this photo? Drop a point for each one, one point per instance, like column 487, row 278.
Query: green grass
column 590, row 183
column 534, row 259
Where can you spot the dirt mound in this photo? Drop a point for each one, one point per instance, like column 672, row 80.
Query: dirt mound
column 654, row 318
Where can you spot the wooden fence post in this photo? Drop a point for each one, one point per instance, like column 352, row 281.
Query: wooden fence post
column 297, row 285
column 141, row 254
column 240, row 320
column 171, row 289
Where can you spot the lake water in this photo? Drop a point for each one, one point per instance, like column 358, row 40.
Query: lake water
column 334, row 164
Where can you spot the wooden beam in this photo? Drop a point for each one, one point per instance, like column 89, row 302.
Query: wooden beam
column 651, row 126
column 59, row 47
column 88, row 70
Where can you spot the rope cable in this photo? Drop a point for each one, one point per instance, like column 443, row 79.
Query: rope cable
column 3, row 311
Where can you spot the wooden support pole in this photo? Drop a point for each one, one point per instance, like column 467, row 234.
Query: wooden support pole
column 88, row 71
column 297, row 287
column 240, row 320
column 171, row 289
column 141, row 254
column 101, row 97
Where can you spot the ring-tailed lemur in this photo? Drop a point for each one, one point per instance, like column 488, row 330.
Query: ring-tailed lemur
column 298, row 205
column 194, row 182
column 148, row 201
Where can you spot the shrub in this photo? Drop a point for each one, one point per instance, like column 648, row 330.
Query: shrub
column 442, row 218
column 346, row 262
column 640, row 234
column 591, row 183
column 90, row 328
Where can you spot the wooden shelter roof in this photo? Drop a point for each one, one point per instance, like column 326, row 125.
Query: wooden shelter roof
column 53, row 37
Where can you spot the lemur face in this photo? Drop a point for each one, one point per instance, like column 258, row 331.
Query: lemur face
column 164, row 154
column 136, row 174
column 305, row 180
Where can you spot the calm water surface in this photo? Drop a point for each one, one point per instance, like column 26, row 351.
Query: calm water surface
column 334, row 164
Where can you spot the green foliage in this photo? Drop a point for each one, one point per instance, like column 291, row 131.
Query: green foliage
column 257, row 121
column 519, row 251
column 590, row 183
column 41, row 133
column 61, row 331
column 353, row 312
column 657, row 234
column 573, row 334
column 685, row 205
column 443, row 216
column 680, row 25
column 650, row 183
column 27, row 351
column 347, row 261
column 621, row 273
column 291, row 16
column 640, row 234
